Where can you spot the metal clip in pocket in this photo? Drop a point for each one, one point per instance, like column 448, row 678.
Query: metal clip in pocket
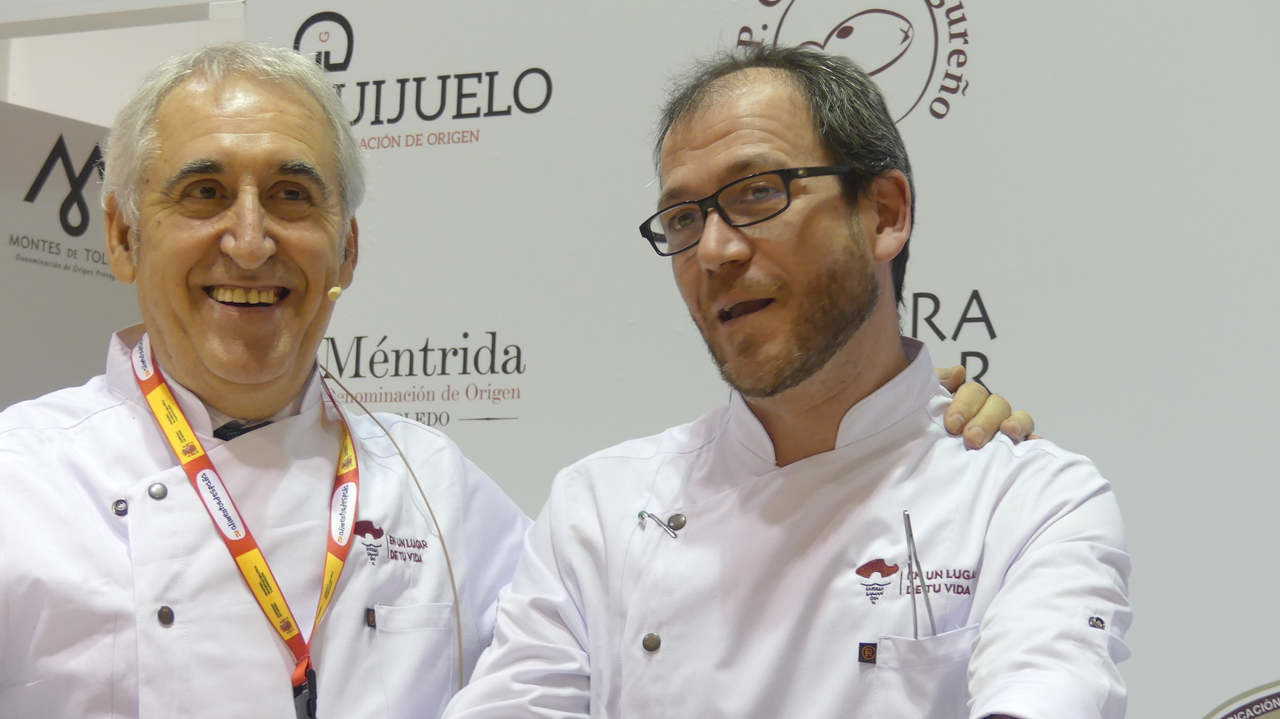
column 650, row 515
column 915, row 573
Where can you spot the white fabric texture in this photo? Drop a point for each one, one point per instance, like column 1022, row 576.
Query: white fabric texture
column 81, row 587
column 759, row 602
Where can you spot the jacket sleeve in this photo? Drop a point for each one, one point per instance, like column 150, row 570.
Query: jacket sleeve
column 537, row 665
column 1050, row 640
column 492, row 530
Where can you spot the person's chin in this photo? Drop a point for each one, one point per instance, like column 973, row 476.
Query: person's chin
column 250, row 369
column 753, row 377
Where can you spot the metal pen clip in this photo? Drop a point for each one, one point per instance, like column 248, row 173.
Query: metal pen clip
column 650, row 515
column 915, row 573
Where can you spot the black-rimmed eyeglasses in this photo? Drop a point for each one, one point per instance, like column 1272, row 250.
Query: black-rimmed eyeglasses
column 752, row 199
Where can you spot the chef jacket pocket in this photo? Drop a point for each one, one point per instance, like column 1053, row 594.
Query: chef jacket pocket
column 926, row 678
column 417, row 650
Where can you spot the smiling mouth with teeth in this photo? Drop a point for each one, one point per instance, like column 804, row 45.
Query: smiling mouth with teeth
column 739, row 309
column 240, row 297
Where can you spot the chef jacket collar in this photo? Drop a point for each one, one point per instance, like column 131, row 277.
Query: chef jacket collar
column 202, row 417
column 217, row 419
column 907, row 392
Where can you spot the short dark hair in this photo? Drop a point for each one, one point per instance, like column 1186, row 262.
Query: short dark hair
column 849, row 115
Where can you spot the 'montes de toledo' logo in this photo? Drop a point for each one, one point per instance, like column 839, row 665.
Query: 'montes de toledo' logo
column 915, row 49
column 76, row 179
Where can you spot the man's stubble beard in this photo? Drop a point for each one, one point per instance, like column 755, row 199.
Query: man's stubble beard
column 832, row 307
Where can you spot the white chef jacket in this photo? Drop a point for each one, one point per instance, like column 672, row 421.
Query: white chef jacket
column 81, row 586
column 761, row 604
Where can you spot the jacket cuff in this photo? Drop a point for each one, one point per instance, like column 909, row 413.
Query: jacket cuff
column 1035, row 695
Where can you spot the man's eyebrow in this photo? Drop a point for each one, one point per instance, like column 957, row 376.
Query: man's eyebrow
column 298, row 168
column 753, row 164
column 294, row 168
column 739, row 169
column 191, row 169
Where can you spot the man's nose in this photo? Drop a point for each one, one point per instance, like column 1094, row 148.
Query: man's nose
column 245, row 239
column 721, row 243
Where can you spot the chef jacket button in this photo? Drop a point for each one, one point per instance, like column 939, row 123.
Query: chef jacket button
column 165, row 615
column 120, row 507
column 651, row 642
column 158, row 491
column 676, row 522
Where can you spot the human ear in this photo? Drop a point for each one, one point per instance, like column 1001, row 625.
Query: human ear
column 119, row 238
column 350, row 255
column 888, row 201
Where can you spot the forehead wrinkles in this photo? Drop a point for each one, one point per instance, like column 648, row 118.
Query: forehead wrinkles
column 201, row 109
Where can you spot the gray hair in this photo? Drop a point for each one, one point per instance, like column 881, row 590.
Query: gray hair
column 132, row 142
column 850, row 118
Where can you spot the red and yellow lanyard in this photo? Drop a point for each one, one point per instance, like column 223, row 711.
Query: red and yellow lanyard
column 236, row 535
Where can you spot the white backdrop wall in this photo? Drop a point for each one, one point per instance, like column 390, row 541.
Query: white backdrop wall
column 1102, row 177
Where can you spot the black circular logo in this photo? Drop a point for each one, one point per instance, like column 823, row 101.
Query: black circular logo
column 325, row 40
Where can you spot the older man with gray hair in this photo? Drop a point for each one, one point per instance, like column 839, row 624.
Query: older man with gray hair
column 203, row 530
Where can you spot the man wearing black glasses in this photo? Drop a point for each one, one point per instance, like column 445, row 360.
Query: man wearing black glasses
column 820, row 547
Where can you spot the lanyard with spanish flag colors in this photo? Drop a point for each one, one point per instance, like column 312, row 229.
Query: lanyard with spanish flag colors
column 236, row 535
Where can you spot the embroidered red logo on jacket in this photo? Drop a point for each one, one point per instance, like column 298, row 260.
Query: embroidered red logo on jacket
column 369, row 529
column 875, row 589
column 370, row 536
column 876, row 566
column 398, row 548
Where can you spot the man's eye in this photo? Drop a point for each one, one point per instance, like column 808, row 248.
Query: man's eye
column 759, row 192
column 292, row 194
column 681, row 220
column 204, row 192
